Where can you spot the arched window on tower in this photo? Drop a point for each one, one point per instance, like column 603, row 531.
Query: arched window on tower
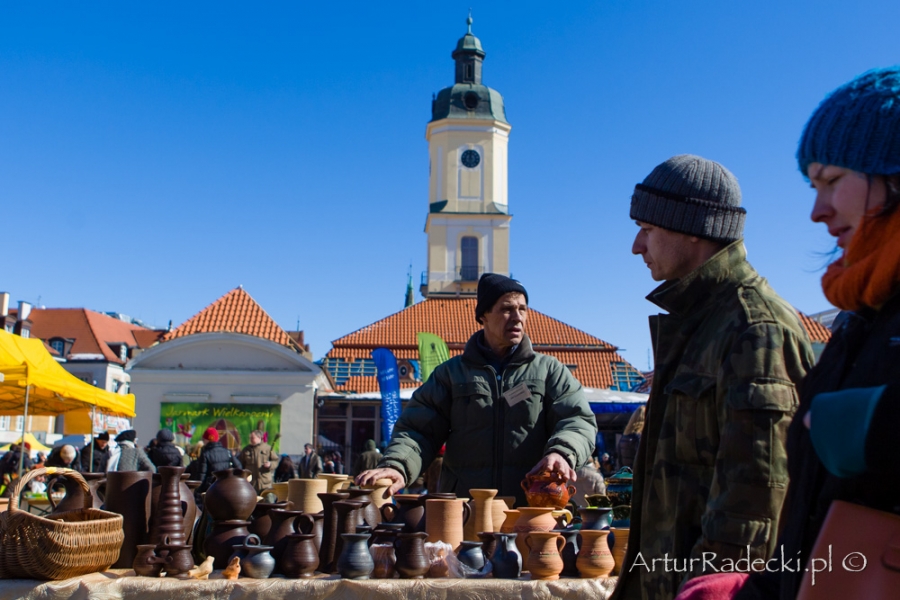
column 469, row 269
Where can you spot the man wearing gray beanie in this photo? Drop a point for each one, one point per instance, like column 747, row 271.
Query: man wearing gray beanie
column 711, row 469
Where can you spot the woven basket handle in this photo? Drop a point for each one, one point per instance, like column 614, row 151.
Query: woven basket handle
column 20, row 484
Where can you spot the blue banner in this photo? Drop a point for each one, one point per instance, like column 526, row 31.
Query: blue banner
column 386, row 363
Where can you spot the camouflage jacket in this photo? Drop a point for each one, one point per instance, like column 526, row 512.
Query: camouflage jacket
column 711, row 470
column 491, row 444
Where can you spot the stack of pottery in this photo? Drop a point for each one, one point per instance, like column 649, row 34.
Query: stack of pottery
column 229, row 502
column 171, row 520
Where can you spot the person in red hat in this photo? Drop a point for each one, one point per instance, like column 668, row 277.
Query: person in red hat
column 214, row 457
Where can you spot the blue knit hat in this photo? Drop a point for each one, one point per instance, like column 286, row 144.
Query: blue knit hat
column 857, row 126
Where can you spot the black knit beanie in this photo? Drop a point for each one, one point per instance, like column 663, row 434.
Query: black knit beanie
column 129, row 435
column 165, row 435
column 491, row 287
column 691, row 195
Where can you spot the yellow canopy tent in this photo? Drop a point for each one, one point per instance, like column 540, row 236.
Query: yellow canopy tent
column 34, row 383
column 36, row 445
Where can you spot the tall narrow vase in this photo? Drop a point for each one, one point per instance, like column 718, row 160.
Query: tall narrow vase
column 482, row 517
column 128, row 493
column 169, row 520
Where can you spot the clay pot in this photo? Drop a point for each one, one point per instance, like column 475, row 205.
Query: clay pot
column 146, row 562
column 346, row 518
column 188, row 506
column 570, row 551
column 620, row 547
column 224, row 537
column 532, row 518
column 313, row 524
column 407, row 509
column 283, row 525
column 330, row 526
column 178, row 560
column 369, row 515
column 128, row 493
column 444, row 521
column 544, row 560
column 547, row 488
column 355, row 561
column 386, row 533
column 261, row 521
column 384, row 558
column 230, row 497
column 304, row 494
column 335, row 482
column 167, row 518
column 509, row 524
column 482, row 513
column 594, row 558
column 301, row 557
column 506, row 558
column 412, row 562
column 74, row 498
column 488, row 543
column 97, row 483
column 256, row 560
column 594, row 518
column 498, row 516
column 471, row 554
column 563, row 518
column 509, row 500
column 379, row 489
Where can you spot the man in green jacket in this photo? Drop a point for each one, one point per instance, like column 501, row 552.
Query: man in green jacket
column 503, row 409
column 711, row 469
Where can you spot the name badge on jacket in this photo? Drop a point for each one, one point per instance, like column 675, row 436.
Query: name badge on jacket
column 517, row 394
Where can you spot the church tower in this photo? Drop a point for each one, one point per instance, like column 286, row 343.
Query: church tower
column 468, row 215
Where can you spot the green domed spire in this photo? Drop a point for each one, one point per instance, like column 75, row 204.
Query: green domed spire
column 468, row 44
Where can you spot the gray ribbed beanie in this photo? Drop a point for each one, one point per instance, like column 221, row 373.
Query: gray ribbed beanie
column 691, row 195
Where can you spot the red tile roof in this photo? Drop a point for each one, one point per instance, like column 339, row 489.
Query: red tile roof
column 93, row 332
column 816, row 331
column 235, row 312
column 453, row 319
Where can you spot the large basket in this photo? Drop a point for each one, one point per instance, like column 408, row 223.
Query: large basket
column 62, row 545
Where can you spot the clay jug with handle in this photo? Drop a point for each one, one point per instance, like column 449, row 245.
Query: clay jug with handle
column 544, row 559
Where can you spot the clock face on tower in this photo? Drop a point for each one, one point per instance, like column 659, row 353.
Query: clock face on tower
column 470, row 159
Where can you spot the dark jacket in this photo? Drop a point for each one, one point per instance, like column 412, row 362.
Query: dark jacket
column 310, row 466
column 54, row 459
column 165, row 454
column 711, row 469
column 214, row 457
column 491, row 444
column 864, row 352
column 101, row 458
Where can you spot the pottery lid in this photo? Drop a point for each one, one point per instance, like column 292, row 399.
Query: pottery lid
column 623, row 475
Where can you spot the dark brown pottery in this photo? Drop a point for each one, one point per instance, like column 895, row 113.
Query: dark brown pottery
column 386, row 533
column 408, row 509
column 283, row 525
column 128, row 493
column 97, row 483
column 74, row 498
column 178, row 560
column 260, row 521
column 192, row 488
column 225, row 535
column 330, row 526
column 346, row 518
column 146, row 562
column 412, row 562
column 370, row 515
column 186, row 496
column 313, row 523
column 488, row 542
column 167, row 519
column 230, row 497
column 300, row 558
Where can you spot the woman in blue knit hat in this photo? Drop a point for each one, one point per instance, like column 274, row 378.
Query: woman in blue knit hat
column 842, row 444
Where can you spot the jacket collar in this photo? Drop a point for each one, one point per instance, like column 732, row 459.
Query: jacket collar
column 473, row 353
column 695, row 290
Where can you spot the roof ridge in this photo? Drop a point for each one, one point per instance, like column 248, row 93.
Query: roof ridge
column 100, row 343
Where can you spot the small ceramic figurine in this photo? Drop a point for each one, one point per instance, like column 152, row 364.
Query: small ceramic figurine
column 233, row 569
column 203, row 570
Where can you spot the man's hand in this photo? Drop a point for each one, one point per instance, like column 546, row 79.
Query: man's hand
column 554, row 462
column 369, row 478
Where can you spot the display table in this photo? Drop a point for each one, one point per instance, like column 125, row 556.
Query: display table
column 115, row 584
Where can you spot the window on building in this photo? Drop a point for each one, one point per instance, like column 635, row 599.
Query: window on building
column 58, row 345
column 342, row 369
column 20, row 423
column 469, row 248
column 4, row 423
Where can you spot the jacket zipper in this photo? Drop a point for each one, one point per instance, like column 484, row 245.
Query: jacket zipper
column 498, row 425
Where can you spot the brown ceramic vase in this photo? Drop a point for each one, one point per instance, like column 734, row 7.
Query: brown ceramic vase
column 300, row 558
column 594, row 559
column 231, row 497
column 128, row 493
column 544, row 559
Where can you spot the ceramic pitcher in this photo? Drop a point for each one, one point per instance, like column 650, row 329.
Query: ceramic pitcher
column 506, row 559
column 544, row 559
column 444, row 521
column 595, row 559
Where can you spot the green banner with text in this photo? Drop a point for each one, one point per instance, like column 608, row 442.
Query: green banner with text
column 234, row 422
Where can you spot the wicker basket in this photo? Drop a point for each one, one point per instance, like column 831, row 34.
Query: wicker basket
column 63, row 545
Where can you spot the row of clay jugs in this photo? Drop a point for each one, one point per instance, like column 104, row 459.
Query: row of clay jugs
column 482, row 513
column 256, row 559
column 231, row 496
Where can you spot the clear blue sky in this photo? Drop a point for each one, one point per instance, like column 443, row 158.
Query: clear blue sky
column 154, row 156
